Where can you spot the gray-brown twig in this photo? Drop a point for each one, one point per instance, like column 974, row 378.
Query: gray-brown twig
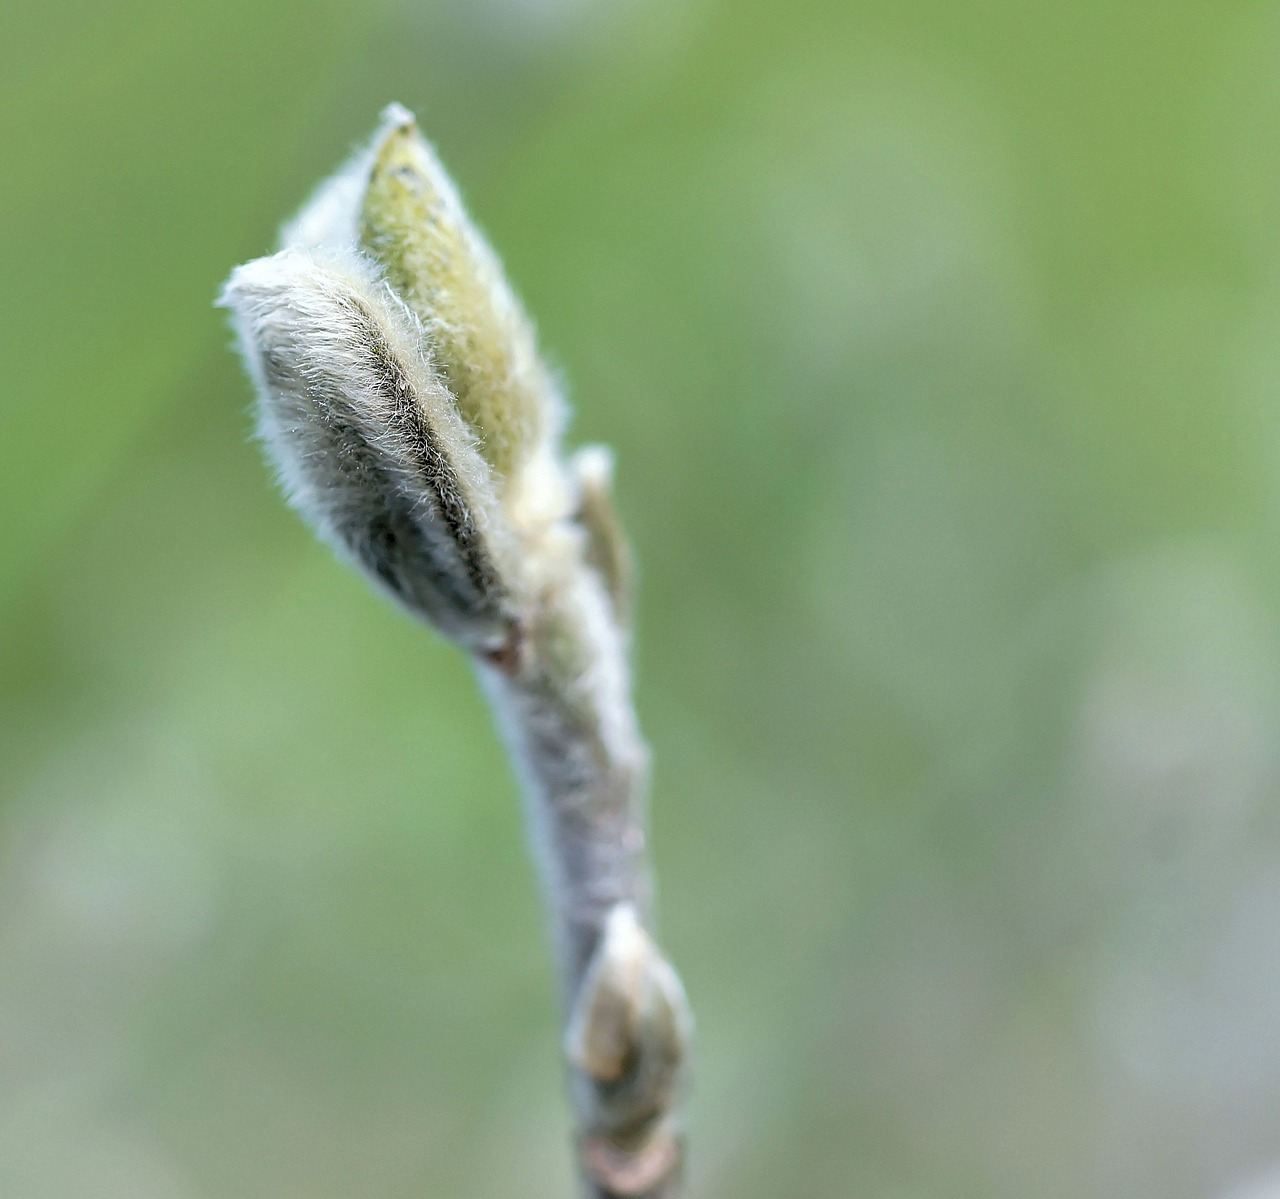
column 414, row 425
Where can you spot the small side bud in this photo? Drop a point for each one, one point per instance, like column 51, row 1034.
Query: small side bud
column 367, row 442
column 414, row 225
column 607, row 550
column 603, row 1028
column 628, row 1035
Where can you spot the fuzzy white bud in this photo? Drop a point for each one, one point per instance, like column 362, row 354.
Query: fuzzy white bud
column 367, row 441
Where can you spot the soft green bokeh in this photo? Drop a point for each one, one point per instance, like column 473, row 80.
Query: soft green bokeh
column 940, row 348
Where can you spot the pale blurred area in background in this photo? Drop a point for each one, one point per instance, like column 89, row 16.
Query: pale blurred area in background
column 940, row 348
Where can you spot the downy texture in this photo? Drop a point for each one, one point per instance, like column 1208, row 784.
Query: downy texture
column 412, row 422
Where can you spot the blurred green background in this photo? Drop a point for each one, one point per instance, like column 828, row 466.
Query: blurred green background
column 938, row 344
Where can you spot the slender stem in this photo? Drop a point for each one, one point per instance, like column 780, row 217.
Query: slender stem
column 563, row 703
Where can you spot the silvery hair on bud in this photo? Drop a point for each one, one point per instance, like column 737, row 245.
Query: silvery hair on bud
column 330, row 219
column 366, row 439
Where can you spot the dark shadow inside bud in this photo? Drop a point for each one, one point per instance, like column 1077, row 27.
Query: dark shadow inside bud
column 428, row 462
column 389, row 535
column 381, row 486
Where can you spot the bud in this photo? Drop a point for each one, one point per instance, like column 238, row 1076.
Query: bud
column 402, row 396
column 412, row 222
column 607, row 551
column 368, row 443
column 629, row 1029
column 412, row 423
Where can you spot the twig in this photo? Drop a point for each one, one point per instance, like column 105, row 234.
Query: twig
column 414, row 425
